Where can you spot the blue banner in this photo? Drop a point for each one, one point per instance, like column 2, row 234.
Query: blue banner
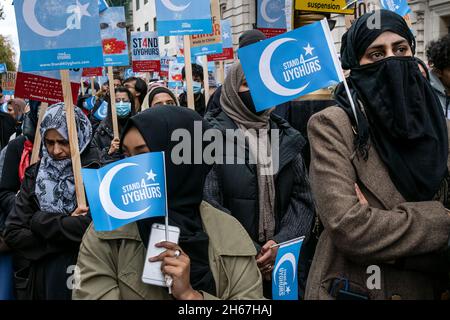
column 271, row 14
column 183, row 17
column 400, row 7
column 291, row 65
column 285, row 272
column 126, row 191
column 58, row 34
column 102, row 5
column 3, row 68
column 114, row 37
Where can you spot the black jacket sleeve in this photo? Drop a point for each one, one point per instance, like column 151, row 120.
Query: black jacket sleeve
column 10, row 182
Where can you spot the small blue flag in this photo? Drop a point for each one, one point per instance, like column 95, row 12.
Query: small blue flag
column 291, row 65
column 102, row 111
column 400, row 7
column 4, row 107
column 126, row 191
column 285, row 272
column 3, row 68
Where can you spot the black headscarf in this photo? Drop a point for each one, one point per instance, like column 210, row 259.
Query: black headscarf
column 402, row 117
column 184, row 185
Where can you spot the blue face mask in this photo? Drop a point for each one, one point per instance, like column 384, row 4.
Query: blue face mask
column 123, row 109
column 197, row 86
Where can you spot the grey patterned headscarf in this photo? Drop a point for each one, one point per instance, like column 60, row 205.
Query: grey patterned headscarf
column 55, row 184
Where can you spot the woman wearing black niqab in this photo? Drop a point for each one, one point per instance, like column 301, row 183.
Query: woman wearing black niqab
column 380, row 182
column 213, row 245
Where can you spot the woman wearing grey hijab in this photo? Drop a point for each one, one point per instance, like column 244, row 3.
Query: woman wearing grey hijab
column 264, row 183
column 46, row 226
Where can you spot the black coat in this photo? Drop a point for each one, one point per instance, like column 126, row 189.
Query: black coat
column 199, row 102
column 10, row 182
column 235, row 186
column 7, row 128
column 45, row 245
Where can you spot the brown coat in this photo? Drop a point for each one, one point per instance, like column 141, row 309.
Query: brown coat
column 401, row 238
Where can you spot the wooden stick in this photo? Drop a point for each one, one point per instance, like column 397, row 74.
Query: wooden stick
column 206, row 78
column 82, row 87
column 73, row 137
column 188, row 72
column 37, row 136
column 221, row 72
column 112, row 94
column 93, row 86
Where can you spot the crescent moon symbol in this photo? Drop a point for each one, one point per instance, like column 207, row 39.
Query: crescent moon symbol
column 264, row 69
column 169, row 5
column 264, row 13
column 30, row 19
column 287, row 257
column 105, row 197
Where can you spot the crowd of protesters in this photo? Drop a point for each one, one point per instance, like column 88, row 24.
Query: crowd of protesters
column 366, row 187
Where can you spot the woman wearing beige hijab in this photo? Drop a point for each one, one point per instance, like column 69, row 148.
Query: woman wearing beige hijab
column 264, row 184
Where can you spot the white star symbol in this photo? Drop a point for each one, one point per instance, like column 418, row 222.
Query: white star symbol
column 226, row 35
column 83, row 9
column 309, row 49
column 288, row 290
column 151, row 175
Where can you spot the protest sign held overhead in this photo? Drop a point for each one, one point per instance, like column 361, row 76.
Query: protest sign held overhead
column 285, row 271
column 290, row 65
column 227, row 43
column 165, row 61
column 145, row 51
column 126, row 191
column 204, row 44
column 271, row 17
column 92, row 72
column 58, row 34
column 45, row 86
column 183, row 17
column 8, row 82
column 114, row 37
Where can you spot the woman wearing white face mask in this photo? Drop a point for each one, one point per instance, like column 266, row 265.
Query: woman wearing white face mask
column 104, row 141
column 199, row 97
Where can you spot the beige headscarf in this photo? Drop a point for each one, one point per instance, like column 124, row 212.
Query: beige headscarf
column 246, row 120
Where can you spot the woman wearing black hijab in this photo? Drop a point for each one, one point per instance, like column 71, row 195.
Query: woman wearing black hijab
column 217, row 257
column 381, row 181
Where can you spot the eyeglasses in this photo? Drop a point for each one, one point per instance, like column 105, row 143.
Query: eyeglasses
column 105, row 25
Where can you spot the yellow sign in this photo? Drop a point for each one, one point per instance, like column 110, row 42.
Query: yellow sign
column 328, row 6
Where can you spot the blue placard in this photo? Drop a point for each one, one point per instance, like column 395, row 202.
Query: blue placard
column 183, row 17
column 58, row 34
column 3, row 68
column 207, row 49
column 227, row 39
column 102, row 5
column 285, row 271
column 114, row 37
column 400, row 7
column 291, row 65
column 271, row 14
column 126, row 191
